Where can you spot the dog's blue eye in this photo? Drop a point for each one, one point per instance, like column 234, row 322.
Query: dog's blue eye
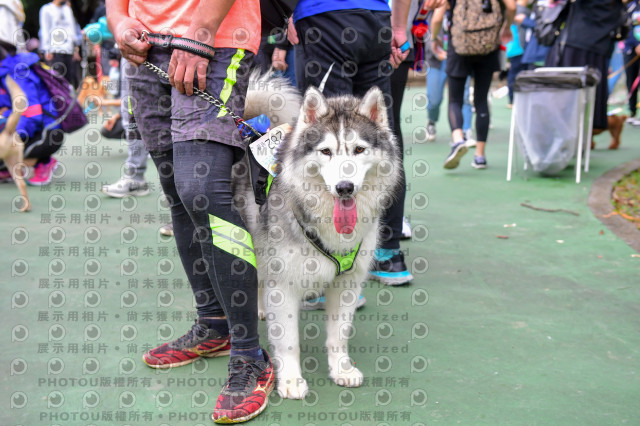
column 358, row 150
column 325, row 151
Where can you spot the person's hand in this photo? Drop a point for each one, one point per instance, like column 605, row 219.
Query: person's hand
column 438, row 49
column 519, row 18
column 399, row 38
column 505, row 35
column 128, row 33
column 111, row 122
column 48, row 57
column 433, row 4
column 292, row 34
column 278, row 59
column 184, row 67
column 77, row 57
column 637, row 50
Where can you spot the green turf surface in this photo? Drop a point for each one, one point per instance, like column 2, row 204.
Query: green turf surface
column 540, row 327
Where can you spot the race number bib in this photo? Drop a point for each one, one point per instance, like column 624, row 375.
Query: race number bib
column 265, row 148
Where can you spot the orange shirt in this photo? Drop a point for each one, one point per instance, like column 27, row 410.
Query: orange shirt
column 240, row 29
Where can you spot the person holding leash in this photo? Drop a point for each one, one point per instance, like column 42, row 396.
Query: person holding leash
column 194, row 145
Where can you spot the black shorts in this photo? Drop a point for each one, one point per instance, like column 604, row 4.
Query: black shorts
column 358, row 44
column 164, row 115
column 463, row 66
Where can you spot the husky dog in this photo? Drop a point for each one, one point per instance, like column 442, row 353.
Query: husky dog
column 318, row 230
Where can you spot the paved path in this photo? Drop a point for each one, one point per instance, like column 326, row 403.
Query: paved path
column 516, row 316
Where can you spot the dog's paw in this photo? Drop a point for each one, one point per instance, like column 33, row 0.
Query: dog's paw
column 350, row 379
column 294, row 388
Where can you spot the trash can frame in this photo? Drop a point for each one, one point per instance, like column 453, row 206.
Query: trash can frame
column 586, row 99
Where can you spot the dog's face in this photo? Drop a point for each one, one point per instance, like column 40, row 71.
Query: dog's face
column 343, row 140
column 341, row 153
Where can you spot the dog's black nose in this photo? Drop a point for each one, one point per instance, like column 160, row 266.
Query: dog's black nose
column 344, row 188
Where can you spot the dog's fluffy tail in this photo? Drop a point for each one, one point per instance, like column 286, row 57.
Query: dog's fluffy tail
column 274, row 96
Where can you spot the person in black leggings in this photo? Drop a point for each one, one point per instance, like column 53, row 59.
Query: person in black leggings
column 481, row 67
column 482, row 75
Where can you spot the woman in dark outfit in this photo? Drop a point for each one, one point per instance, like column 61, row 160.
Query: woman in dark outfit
column 481, row 67
column 591, row 27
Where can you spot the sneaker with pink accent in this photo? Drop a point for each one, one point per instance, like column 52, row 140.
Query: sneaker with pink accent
column 42, row 173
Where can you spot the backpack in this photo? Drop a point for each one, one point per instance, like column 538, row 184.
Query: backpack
column 473, row 31
column 68, row 112
column 275, row 15
column 550, row 19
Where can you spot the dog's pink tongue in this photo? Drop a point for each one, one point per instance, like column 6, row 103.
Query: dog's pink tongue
column 345, row 215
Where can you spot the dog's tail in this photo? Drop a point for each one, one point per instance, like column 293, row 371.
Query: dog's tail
column 274, row 96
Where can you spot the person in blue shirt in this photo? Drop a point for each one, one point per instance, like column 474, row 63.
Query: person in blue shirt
column 351, row 43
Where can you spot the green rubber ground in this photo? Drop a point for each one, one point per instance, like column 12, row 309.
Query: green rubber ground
column 534, row 323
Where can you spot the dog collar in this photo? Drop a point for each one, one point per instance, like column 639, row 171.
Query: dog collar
column 343, row 262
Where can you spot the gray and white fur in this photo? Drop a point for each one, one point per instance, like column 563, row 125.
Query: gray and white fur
column 339, row 148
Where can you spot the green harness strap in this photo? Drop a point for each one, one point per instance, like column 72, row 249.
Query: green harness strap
column 343, row 263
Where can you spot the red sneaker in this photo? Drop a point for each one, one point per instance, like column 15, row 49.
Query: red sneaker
column 246, row 393
column 42, row 173
column 200, row 341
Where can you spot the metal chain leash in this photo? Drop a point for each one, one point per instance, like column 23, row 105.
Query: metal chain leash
column 207, row 97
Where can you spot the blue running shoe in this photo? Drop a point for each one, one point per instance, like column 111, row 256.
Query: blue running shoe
column 391, row 271
column 320, row 303
column 458, row 150
column 479, row 162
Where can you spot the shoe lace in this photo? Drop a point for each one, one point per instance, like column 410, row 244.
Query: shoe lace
column 196, row 333
column 241, row 371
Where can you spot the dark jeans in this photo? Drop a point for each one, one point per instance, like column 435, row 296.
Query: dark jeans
column 210, row 234
column 358, row 44
column 514, row 70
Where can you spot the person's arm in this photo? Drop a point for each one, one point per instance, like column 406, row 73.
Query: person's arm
column 184, row 66
column 126, row 31
column 435, row 26
column 399, row 17
column 509, row 14
column 45, row 33
column 436, row 21
column 509, row 11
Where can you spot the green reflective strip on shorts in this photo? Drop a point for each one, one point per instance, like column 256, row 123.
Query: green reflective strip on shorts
column 230, row 81
column 129, row 106
column 233, row 239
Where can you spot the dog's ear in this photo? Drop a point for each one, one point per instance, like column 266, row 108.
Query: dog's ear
column 314, row 105
column 372, row 106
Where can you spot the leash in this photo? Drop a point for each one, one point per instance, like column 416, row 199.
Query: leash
column 169, row 41
column 627, row 65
